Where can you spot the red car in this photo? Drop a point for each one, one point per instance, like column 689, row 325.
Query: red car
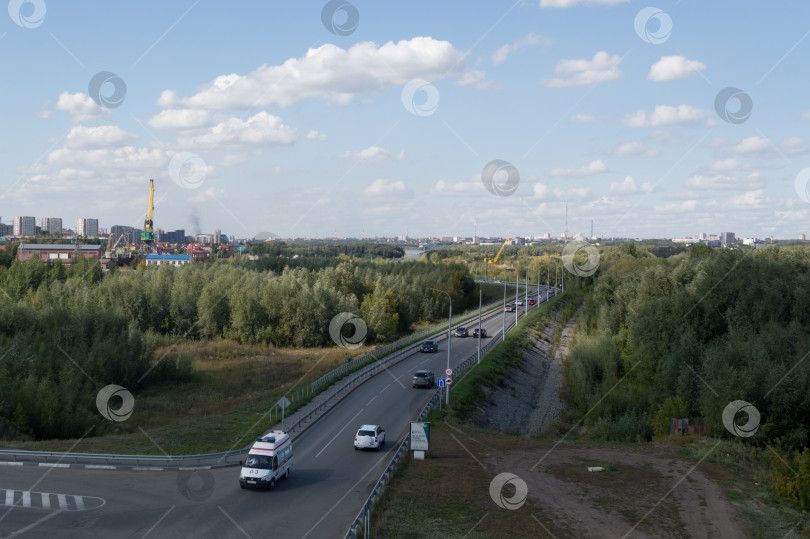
column 532, row 302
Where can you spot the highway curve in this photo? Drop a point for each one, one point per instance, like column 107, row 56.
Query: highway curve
column 329, row 483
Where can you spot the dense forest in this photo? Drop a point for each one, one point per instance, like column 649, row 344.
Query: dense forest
column 65, row 332
column 687, row 335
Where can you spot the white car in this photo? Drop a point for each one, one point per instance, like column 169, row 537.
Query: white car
column 369, row 437
column 520, row 303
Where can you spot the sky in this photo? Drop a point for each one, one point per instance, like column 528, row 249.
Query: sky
column 363, row 119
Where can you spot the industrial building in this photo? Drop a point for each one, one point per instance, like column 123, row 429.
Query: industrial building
column 53, row 251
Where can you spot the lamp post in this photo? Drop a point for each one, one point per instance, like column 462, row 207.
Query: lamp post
column 449, row 340
column 503, row 331
column 480, row 296
column 517, row 293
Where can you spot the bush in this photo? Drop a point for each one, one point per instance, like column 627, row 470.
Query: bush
column 672, row 407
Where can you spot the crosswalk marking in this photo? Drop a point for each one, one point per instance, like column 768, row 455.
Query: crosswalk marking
column 45, row 500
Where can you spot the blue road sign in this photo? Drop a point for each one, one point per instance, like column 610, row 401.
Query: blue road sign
column 440, row 382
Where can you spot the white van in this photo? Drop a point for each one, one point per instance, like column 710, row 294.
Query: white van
column 270, row 459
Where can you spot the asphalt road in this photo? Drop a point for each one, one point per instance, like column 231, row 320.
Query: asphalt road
column 328, row 485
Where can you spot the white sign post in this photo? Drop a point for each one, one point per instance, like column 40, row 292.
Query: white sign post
column 284, row 403
column 420, row 438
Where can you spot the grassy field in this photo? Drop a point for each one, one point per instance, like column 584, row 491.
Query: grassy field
column 223, row 407
column 447, row 494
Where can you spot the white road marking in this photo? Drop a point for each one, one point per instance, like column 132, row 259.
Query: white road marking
column 386, row 387
column 79, row 502
column 26, row 500
column 46, row 500
column 4, row 463
column 372, row 399
column 9, row 497
column 53, row 465
column 147, row 468
column 338, row 433
column 100, row 467
column 62, row 501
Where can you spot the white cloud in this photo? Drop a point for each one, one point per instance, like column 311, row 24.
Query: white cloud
column 725, row 182
column 670, row 68
column 382, row 187
column 314, row 135
column 97, row 137
column 583, row 119
column 602, row 68
column 503, row 53
column 181, row 119
column 678, row 207
column 262, row 129
column 669, row 115
column 794, row 146
column 541, row 190
column 469, row 187
column 335, row 74
column 80, row 107
column 591, row 169
column 572, row 3
column 123, row 158
column 726, row 165
column 806, row 116
column 207, row 194
column 755, row 145
column 372, row 153
column 751, row 200
column 577, row 193
column 633, row 148
column 628, row 186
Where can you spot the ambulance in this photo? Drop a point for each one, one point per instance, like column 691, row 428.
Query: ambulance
column 269, row 460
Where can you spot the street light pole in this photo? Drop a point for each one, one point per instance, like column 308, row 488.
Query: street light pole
column 449, row 340
column 503, row 331
column 480, row 295
column 517, row 293
column 526, row 294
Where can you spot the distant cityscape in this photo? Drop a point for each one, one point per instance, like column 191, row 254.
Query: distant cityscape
column 88, row 228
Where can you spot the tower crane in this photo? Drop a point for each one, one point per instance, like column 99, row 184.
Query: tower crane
column 148, row 234
column 497, row 256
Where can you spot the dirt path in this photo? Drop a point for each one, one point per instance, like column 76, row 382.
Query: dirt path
column 643, row 492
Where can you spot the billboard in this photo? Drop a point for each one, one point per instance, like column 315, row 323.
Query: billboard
column 420, row 436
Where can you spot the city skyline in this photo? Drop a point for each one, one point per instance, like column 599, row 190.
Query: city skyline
column 640, row 120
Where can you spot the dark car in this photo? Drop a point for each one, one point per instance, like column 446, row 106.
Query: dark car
column 423, row 379
column 429, row 346
column 483, row 333
column 461, row 332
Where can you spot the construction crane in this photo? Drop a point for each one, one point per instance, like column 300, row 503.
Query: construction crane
column 497, row 256
column 148, row 234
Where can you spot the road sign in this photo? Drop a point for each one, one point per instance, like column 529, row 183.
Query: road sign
column 440, row 382
column 448, row 381
column 448, row 372
column 284, row 403
column 420, row 436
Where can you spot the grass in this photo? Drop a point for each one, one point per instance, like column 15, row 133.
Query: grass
column 223, row 407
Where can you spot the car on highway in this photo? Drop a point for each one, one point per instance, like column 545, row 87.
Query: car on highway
column 520, row 303
column 510, row 308
column 532, row 301
column 423, row 379
column 461, row 332
column 269, row 459
column 429, row 346
column 482, row 330
column 369, row 437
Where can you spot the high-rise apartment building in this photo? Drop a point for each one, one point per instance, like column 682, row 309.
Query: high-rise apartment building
column 25, row 226
column 52, row 225
column 87, row 228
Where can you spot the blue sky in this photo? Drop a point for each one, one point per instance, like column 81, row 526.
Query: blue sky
column 258, row 118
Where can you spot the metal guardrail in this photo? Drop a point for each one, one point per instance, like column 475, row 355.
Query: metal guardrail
column 363, row 518
column 231, row 458
column 225, row 458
